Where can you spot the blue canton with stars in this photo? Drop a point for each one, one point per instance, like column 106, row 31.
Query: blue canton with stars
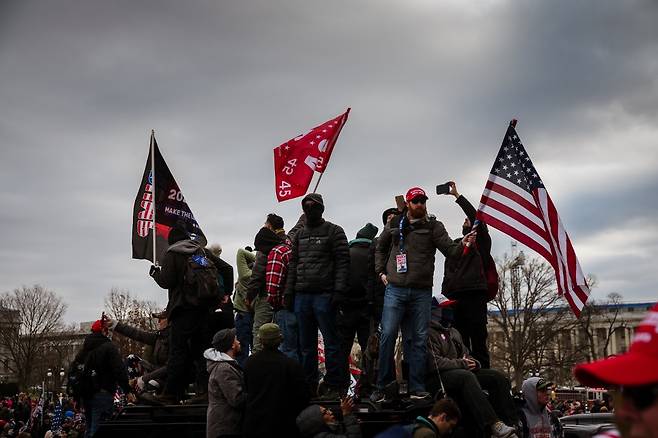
column 514, row 164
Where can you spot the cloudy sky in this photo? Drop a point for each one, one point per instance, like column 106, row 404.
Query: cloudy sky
column 432, row 86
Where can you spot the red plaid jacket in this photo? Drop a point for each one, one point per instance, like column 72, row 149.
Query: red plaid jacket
column 276, row 271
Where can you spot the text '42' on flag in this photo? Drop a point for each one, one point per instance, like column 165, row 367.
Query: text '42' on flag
column 297, row 159
column 516, row 202
column 159, row 203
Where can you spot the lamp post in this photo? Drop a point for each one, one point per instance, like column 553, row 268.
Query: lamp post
column 49, row 376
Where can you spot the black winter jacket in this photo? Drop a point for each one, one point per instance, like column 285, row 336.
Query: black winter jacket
column 466, row 275
column 421, row 240
column 358, row 292
column 103, row 357
column 276, row 393
column 319, row 261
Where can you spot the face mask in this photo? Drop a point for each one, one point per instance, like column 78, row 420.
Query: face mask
column 447, row 317
column 313, row 212
column 466, row 230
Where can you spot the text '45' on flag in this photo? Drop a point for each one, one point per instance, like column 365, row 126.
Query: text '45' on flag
column 516, row 202
column 159, row 203
column 297, row 159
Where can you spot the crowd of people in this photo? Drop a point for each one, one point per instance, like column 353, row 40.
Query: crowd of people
column 26, row 416
column 250, row 349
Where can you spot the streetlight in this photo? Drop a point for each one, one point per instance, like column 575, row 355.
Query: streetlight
column 49, row 374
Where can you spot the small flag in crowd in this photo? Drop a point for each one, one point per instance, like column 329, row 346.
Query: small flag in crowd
column 297, row 159
column 159, row 195
column 516, row 202
column 56, row 426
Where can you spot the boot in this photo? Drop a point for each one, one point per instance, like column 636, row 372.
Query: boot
column 159, row 399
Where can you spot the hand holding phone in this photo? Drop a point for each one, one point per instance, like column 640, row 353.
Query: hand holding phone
column 443, row 189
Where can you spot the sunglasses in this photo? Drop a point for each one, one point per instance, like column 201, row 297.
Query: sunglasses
column 419, row 200
column 642, row 397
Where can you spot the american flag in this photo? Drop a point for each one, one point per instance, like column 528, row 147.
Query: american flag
column 56, row 426
column 516, row 202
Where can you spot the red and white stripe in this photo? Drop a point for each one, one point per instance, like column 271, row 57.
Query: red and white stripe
column 533, row 220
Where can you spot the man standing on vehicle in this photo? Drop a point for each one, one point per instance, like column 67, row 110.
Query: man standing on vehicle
column 404, row 261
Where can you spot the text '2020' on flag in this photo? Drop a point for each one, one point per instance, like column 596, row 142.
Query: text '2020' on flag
column 516, row 202
column 297, row 159
column 159, row 205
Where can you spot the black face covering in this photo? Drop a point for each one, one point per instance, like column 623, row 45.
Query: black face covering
column 466, row 230
column 313, row 212
column 447, row 317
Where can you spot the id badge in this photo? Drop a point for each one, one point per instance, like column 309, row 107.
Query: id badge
column 401, row 263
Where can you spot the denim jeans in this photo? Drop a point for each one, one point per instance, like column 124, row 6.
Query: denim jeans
column 314, row 311
column 287, row 321
column 410, row 309
column 97, row 408
column 244, row 321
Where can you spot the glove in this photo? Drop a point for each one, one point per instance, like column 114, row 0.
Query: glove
column 289, row 302
column 337, row 299
column 140, row 383
column 153, row 270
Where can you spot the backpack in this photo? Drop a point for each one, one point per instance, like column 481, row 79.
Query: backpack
column 82, row 379
column 201, row 282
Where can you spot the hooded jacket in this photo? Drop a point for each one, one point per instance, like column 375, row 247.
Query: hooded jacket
column 101, row 355
column 421, row 240
column 244, row 259
column 536, row 419
column 425, row 428
column 171, row 275
column 226, row 395
column 320, row 259
column 311, row 424
column 157, row 339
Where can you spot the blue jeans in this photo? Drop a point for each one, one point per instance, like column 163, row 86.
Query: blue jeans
column 287, row 321
column 314, row 311
column 97, row 408
column 244, row 322
column 411, row 309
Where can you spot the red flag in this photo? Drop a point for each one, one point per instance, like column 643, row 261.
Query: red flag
column 516, row 202
column 297, row 159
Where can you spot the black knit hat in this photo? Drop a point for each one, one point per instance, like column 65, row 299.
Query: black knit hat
column 275, row 220
column 388, row 211
column 369, row 231
column 223, row 340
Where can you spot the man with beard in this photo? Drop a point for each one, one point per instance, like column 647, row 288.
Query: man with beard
column 317, row 279
column 404, row 261
column 464, row 280
column 269, row 236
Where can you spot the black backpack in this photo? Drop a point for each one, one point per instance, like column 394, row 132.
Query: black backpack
column 82, row 380
column 201, row 280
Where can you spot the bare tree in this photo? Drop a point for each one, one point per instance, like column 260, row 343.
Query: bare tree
column 598, row 322
column 530, row 318
column 34, row 313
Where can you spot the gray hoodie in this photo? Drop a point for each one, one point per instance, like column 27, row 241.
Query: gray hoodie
column 537, row 420
column 226, row 395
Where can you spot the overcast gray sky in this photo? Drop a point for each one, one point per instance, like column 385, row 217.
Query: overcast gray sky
column 432, row 86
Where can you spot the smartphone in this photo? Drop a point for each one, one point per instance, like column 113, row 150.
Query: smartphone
column 399, row 202
column 443, row 189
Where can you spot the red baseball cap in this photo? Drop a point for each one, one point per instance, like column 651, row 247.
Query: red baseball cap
column 415, row 192
column 447, row 303
column 97, row 326
column 637, row 367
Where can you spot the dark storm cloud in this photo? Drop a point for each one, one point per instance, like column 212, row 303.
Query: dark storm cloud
column 432, row 85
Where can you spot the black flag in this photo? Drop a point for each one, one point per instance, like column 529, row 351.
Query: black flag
column 166, row 201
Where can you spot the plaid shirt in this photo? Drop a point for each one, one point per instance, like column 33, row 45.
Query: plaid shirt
column 275, row 274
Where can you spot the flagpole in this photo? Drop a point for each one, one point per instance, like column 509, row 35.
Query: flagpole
column 154, row 235
column 342, row 123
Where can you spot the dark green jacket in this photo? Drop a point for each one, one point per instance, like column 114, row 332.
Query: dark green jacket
column 421, row 240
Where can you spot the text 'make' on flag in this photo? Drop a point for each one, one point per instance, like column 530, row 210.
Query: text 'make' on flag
column 516, row 202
